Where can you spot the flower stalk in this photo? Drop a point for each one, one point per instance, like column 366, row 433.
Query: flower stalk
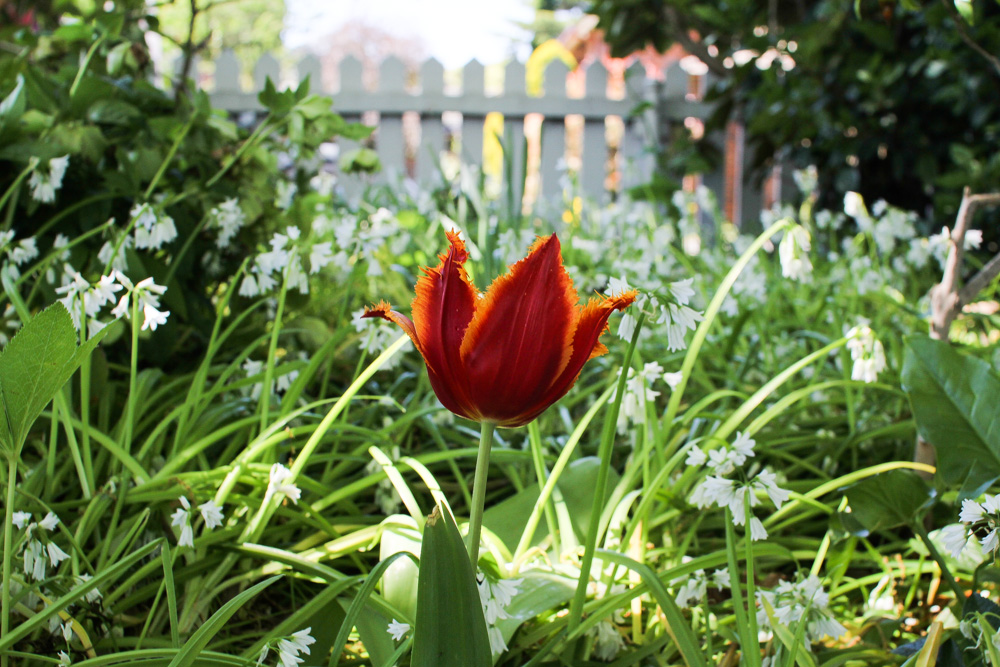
column 479, row 489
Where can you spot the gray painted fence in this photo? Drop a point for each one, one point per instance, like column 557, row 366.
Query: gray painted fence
column 452, row 120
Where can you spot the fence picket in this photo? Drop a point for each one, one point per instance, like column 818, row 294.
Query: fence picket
column 397, row 98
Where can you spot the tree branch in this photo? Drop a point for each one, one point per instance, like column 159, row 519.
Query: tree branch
column 963, row 32
column 946, row 298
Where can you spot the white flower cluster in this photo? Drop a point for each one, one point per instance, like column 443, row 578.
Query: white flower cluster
column 977, row 519
column 793, row 251
column 45, row 183
column 280, row 384
column 228, row 218
column 285, row 255
column 638, row 392
column 82, row 299
column 495, row 596
column 692, row 588
column 211, row 514
column 802, row 602
column 717, row 489
column 288, row 648
column 867, row 353
column 152, row 228
column 20, row 253
column 40, row 552
column 676, row 315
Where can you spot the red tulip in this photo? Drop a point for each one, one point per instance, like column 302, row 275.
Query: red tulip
column 505, row 355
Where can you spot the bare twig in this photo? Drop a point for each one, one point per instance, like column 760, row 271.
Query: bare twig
column 947, row 300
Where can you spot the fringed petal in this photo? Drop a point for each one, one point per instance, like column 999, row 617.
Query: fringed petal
column 521, row 334
column 442, row 309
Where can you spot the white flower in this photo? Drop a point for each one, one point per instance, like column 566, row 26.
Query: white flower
column 25, row 251
column 766, row 481
column 721, row 579
column 673, row 379
column 609, row 641
column 56, row 555
column 229, row 218
column 248, row 287
column 792, row 251
column 757, row 530
column 682, row 291
column 64, row 660
column 181, row 518
column 955, row 538
column 990, row 542
column 626, row 326
column 617, row 286
column 991, row 504
column 49, row 522
column 320, row 255
column 397, row 629
column 45, row 185
column 497, row 643
column 278, row 483
column 21, row 518
column 696, row 457
column 867, row 353
column 153, row 318
column 93, row 595
column 211, row 514
column 971, row 511
column 743, row 445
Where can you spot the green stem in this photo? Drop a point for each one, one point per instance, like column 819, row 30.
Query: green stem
column 918, row 528
column 8, row 551
column 739, row 611
column 264, row 405
column 479, row 490
column 600, row 487
column 752, row 651
column 257, row 135
column 126, row 443
column 86, row 64
column 168, row 159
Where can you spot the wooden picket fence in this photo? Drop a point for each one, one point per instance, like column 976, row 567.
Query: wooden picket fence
column 573, row 122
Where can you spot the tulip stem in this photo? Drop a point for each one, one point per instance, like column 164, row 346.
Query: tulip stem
column 479, row 490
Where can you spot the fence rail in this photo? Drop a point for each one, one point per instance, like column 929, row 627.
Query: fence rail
column 576, row 119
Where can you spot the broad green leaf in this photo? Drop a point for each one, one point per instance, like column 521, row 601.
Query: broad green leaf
column 891, row 499
column 450, row 630
column 954, row 399
column 35, row 365
column 508, row 518
column 192, row 648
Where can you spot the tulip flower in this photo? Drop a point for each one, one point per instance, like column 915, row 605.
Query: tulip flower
column 505, row 355
column 502, row 357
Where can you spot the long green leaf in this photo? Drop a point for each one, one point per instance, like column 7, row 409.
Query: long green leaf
column 450, row 628
column 199, row 640
column 112, row 573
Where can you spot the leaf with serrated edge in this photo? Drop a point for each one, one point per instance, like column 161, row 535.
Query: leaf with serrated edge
column 35, row 365
column 954, row 398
